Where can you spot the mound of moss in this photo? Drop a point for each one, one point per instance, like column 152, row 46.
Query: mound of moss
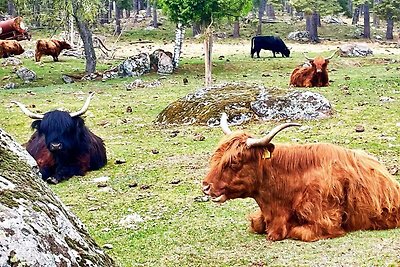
column 243, row 102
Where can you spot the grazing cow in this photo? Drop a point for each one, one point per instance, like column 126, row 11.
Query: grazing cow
column 62, row 145
column 306, row 192
column 51, row 48
column 273, row 43
column 10, row 47
column 312, row 74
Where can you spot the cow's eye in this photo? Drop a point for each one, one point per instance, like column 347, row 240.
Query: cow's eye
column 236, row 166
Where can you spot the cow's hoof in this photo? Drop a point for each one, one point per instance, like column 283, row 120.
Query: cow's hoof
column 52, row 180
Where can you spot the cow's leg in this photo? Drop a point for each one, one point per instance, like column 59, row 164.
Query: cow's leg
column 277, row 228
column 257, row 222
column 314, row 232
column 65, row 172
column 273, row 52
column 38, row 56
column 258, row 53
column 55, row 58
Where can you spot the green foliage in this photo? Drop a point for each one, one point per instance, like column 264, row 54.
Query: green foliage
column 124, row 4
column 3, row 6
column 204, row 11
column 388, row 8
column 323, row 7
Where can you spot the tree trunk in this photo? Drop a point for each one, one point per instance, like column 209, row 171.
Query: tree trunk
column 356, row 16
column 179, row 36
column 118, row 12
column 389, row 27
column 155, row 19
column 110, row 9
column 236, row 28
column 11, row 8
column 208, row 43
column 350, row 6
column 318, row 20
column 36, row 14
column 314, row 27
column 375, row 18
column 148, row 8
column 86, row 36
column 261, row 10
column 71, row 30
column 308, row 22
column 31, row 216
column 196, row 29
column 127, row 13
column 367, row 29
column 270, row 12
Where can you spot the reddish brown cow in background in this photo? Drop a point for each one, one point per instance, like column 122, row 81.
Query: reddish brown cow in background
column 306, row 192
column 10, row 47
column 312, row 74
column 51, row 48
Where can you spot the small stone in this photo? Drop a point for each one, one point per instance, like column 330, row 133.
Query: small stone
column 360, row 128
column 129, row 109
column 120, row 161
column 133, row 184
column 67, row 79
column 145, row 187
column 155, row 151
column 102, row 185
column 102, row 179
column 201, row 199
column 185, row 81
column 266, row 75
column 199, row 137
column 394, row 170
column 108, row 246
column 177, row 181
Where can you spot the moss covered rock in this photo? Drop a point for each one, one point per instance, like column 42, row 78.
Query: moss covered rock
column 36, row 229
column 243, row 102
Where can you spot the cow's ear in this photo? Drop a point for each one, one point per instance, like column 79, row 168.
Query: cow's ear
column 326, row 61
column 36, row 124
column 270, row 147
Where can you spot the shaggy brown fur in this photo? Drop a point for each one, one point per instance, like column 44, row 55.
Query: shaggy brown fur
column 313, row 75
column 51, row 48
column 306, row 192
column 10, row 47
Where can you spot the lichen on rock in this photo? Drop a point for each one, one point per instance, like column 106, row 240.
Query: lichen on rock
column 36, row 229
column 244, row 102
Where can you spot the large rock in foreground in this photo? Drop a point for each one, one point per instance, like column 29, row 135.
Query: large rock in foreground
column 243, row 102
column 36, row 229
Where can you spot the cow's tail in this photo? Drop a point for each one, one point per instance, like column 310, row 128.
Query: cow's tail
column 252, row 46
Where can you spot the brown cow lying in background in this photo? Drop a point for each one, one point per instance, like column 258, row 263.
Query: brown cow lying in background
column 304, row 191
column 10, row 47
column 312, row 74
column 50, row 48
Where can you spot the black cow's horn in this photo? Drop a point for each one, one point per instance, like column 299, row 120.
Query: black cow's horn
column 331, row 56
column 224, row 124
column 308, row 58
column 267, row 139
column 84, row 108
column 27, row 112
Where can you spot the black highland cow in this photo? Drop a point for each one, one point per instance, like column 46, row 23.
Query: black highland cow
column 273, row 43
column 62, row 145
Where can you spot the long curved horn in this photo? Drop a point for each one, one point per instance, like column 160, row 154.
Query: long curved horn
column 267, row 139
column 308, row 58
column 331, row 56
column 224, row 124
column 84, row 108
column 27, row 112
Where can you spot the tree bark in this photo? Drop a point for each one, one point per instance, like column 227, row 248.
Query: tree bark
column 389, row 27
column 179, row 36
column 356, row 16
column 148, row 8
column 86, row 36
column 31, row 216
column 11, row 8
column 261, row 10
column 270, row 12
column 118, row 12
column 367, row 28
column 350, row 6
column 155, row 18
column 236, row 28
column 314, row 27
column 208, row 43
column 196, row 29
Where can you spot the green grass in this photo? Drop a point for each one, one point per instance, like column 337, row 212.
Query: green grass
column 177, row 231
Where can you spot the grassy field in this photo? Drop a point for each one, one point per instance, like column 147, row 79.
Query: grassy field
column 162, row 187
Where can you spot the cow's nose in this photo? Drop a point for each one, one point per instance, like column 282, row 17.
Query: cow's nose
column 319, row 70
column 55, row 146
column 206, row 189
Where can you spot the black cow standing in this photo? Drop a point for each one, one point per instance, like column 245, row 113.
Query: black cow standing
column 273, row 43
column 62, row 145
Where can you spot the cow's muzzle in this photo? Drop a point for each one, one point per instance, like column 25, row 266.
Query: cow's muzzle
column 206, row 189
column 55, row 146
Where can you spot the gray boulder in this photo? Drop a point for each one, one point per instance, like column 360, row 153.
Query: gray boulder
column 26, row 74
column 134, row 66
column 355, row 50
column 11, row 61
column 161, row 61
column 244, row 102
column 299, row 36
column 36, row 229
